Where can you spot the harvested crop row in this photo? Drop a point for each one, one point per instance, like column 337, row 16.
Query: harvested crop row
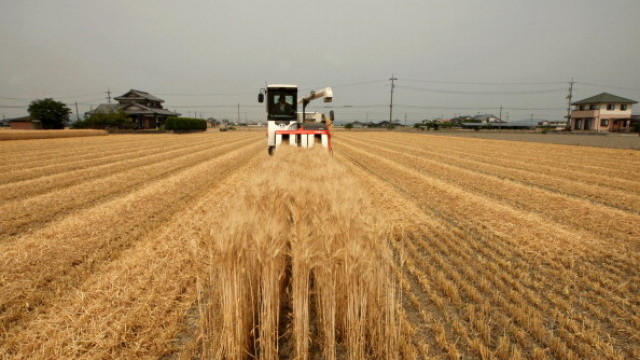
column 109, row 152
column 580, row 281
column 136, row 305
column 119, row 163
column 617, row 164
column 27, row 154
column 48, row 134
column 50, row 262
column 31, row 213
column 453, row 201
column 598, row 158
column 438, row 313
column 625, row 199
column 578, row 213
column 509, row 155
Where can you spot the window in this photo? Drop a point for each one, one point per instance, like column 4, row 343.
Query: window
column 282, row 104
column 581, row 107
column 604, row 123
column 623, row 107
column 611, row 106
column 593, row 107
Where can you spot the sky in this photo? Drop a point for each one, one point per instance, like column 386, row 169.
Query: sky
column 210, row 58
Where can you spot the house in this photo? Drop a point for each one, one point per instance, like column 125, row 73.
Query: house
column 24, row 123
column 145, row 109
column 604, row 112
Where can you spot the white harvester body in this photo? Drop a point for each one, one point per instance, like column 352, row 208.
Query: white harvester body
column 286, row 125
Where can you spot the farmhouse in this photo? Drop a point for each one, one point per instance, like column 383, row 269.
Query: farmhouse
column 24, row 123
column 145, row 109
column 604, row 112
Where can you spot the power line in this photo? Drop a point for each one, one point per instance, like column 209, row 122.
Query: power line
column 607, row 86
column 483, row 83
column 439, row 91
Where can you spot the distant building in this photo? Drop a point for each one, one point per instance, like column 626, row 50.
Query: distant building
column 145, row 109
column 603, row 112
column 487, row 118
column 24, row 123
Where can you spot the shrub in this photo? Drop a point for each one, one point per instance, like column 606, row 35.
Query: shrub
column 185, row 124
column 117, row 120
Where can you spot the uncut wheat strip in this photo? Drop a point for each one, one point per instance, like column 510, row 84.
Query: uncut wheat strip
column 506, row 152
column 626, row 199
column 16, row 216
column 554, row 207
column 104, row 155
column 414, row 216
column 68, row 177
column 600, row 158
column 39, row 152
column 55, row 258
column 304, row 197
column 134, row 306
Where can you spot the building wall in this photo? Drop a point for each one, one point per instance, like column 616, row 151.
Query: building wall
column 602, row 119
column 23, row 125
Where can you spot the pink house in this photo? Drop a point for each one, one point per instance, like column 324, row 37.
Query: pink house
column 602, row 113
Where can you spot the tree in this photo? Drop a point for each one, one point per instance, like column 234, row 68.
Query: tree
column 53, row 114
column 349, row 126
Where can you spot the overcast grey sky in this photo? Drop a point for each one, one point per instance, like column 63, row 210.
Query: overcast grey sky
column 450, row 57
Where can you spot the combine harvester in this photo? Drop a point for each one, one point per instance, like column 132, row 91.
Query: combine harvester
column 285, row 123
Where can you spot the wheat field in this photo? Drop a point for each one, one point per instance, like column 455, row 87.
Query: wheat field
column 396, row 246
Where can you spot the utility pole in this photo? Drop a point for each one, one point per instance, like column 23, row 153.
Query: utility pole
column 500, row 113
column 77, row 116
column 391, row 103
column 238, row 113
column 405, row 119
column 568, row 127
column 109, row 95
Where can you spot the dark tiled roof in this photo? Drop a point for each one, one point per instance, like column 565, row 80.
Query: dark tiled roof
column 604, row 98
column 27, row 118
column 110, row 108
column 138, row 94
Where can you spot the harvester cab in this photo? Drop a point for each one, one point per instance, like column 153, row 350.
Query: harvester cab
column 286, row 124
